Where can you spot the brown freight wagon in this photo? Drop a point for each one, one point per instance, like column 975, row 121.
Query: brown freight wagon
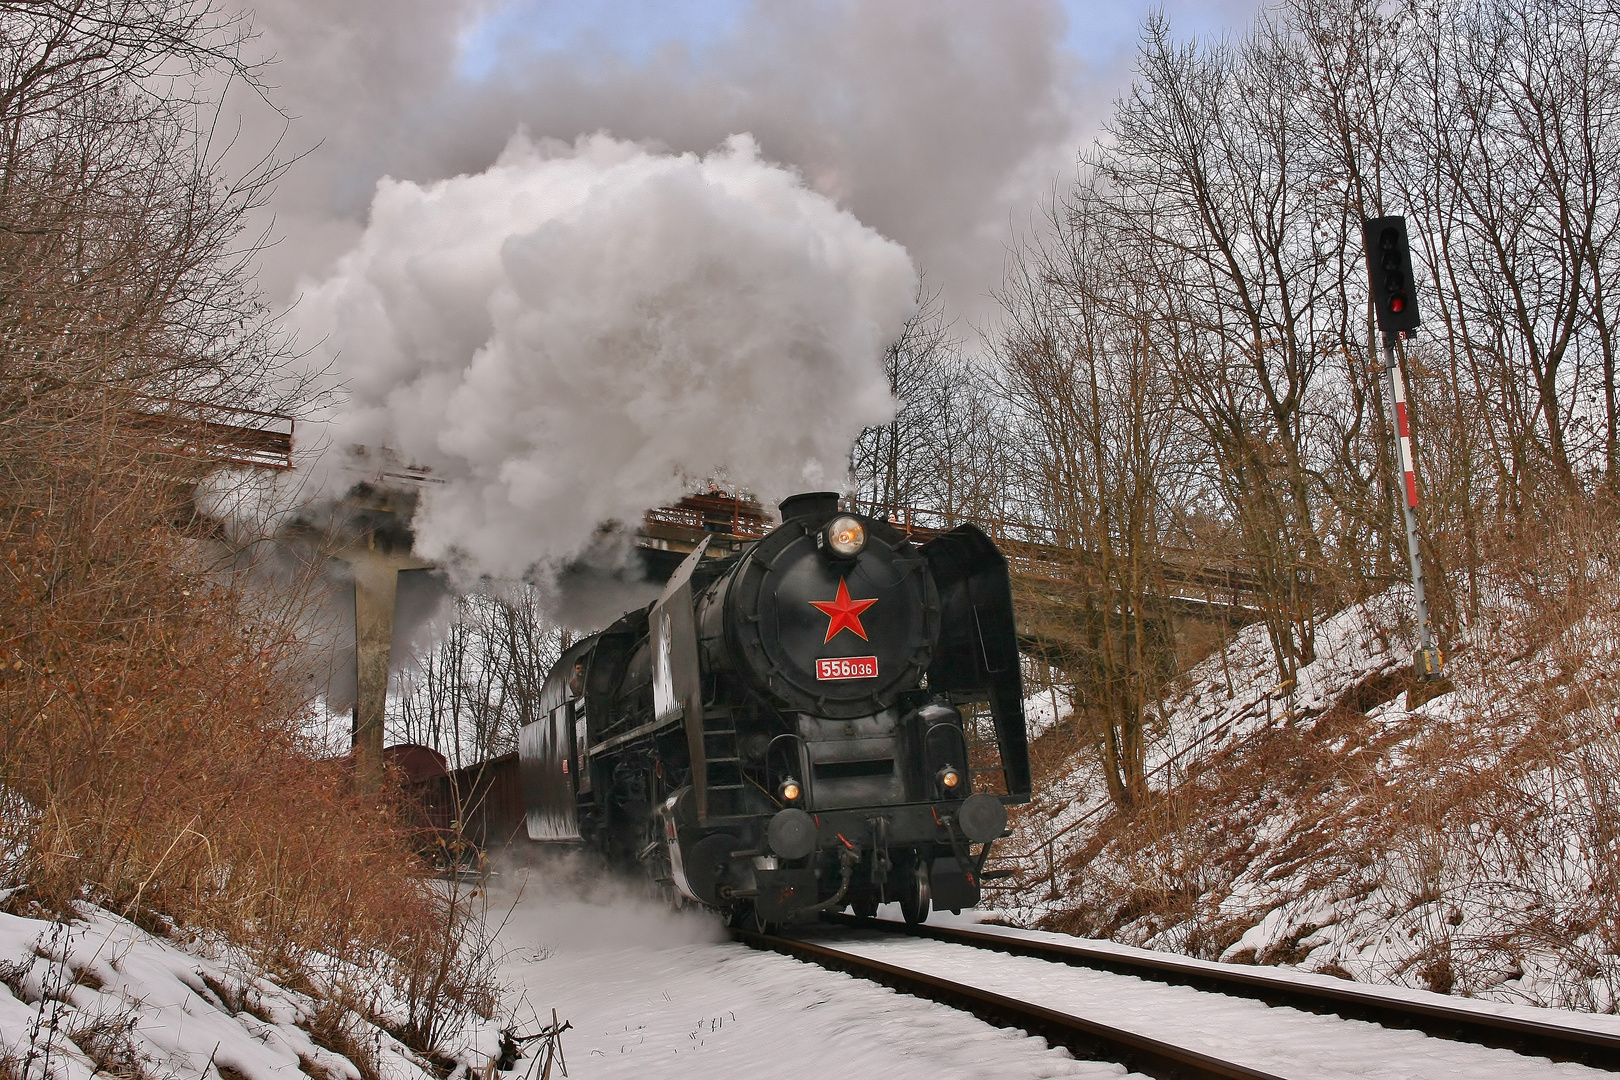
column 460, row 812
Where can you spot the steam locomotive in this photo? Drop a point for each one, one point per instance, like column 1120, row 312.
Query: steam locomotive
column 828, row 717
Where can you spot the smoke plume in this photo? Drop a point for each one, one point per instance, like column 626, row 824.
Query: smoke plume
column 577, row 333
column 941, row 123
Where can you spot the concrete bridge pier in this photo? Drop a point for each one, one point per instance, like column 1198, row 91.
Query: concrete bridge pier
column 376, row 584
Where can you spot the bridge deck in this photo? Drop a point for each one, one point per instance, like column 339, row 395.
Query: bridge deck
column 1034, row 554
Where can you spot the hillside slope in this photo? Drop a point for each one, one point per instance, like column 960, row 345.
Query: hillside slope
column 1470, row 844
column 100, row 996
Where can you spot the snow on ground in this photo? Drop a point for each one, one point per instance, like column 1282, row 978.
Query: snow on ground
column 102, row 995
column 1283, row 1041
column 1223, row 700
column 979, row 922
column 1463, row 844
column 1045, row 708
column 651, row 992
column 654, row 993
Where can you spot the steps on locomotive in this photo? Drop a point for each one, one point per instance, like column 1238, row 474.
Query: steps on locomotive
column 722, row 766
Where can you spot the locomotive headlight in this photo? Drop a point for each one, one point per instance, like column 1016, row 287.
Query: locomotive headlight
column 789, row 790
column 949, row 779
column 845, row 536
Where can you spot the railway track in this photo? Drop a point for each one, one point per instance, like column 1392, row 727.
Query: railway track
column 1349, row 1001
column 1081, row 1037
column 1098, row 1041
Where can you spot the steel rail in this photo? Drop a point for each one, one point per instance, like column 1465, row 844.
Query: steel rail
column 1085, row 1039
column 1523, row 1036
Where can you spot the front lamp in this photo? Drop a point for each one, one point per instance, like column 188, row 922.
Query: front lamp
column 845, row 536
column 789, row 790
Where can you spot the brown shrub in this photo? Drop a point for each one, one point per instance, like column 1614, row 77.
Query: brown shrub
column 155, row 739
column 154, row 758
column 1458, row 848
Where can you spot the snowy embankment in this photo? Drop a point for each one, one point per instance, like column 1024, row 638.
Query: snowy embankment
column 101, row 995
column 650, row 992
column 1465, row 844
column 645, row 991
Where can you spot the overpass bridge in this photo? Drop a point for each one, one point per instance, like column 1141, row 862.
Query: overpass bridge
column 1061, row 592
column 1055, row 584
column 1037, row 555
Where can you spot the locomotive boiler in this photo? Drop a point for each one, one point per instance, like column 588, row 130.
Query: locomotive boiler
column 829, row 717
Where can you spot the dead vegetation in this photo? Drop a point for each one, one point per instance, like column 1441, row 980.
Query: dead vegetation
column 151, row 721
column 1467, row 846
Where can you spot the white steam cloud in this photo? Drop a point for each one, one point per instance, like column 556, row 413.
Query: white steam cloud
column 577, row 333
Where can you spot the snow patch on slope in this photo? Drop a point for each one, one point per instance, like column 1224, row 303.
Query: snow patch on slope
column 101, row 995
column 1463, row 845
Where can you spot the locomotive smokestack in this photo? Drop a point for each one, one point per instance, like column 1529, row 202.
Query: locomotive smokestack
column 816, row 506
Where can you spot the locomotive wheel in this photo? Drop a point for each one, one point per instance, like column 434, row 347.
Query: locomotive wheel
column 916, row 895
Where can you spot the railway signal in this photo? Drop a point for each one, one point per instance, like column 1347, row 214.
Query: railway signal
column 1394, row 296
column 1389, row 269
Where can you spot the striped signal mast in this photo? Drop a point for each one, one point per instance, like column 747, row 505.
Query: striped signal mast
column 1389, row 270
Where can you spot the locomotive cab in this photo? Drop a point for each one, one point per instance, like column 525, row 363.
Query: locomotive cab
column 830, row 716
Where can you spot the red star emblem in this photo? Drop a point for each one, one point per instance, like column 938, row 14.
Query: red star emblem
column 843, row 613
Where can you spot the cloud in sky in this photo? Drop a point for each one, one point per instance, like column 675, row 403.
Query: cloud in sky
column 940, row 123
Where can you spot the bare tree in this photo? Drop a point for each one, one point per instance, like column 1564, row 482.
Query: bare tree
column 1103, row 464
column 1513, row 152
column 1207, row 174
column 892, row 463
column 471, row 690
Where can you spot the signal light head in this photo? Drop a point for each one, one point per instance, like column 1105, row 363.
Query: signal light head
column 1389, row 273
column 845, row 536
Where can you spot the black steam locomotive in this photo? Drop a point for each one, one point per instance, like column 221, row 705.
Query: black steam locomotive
column 830, row 716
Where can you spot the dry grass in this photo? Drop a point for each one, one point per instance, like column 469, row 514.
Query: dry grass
column 1463, row 847
column 109, row 1044
column 333, row 1028
column 1171, row 866
column 155, row 738
column 152, row 751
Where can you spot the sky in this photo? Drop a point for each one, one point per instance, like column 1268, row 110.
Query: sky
column 942, row 124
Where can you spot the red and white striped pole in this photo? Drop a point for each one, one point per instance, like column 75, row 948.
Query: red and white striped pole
column 1427, row 659
column 1393, row 289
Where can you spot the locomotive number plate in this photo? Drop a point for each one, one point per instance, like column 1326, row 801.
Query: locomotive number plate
column 847, row 667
